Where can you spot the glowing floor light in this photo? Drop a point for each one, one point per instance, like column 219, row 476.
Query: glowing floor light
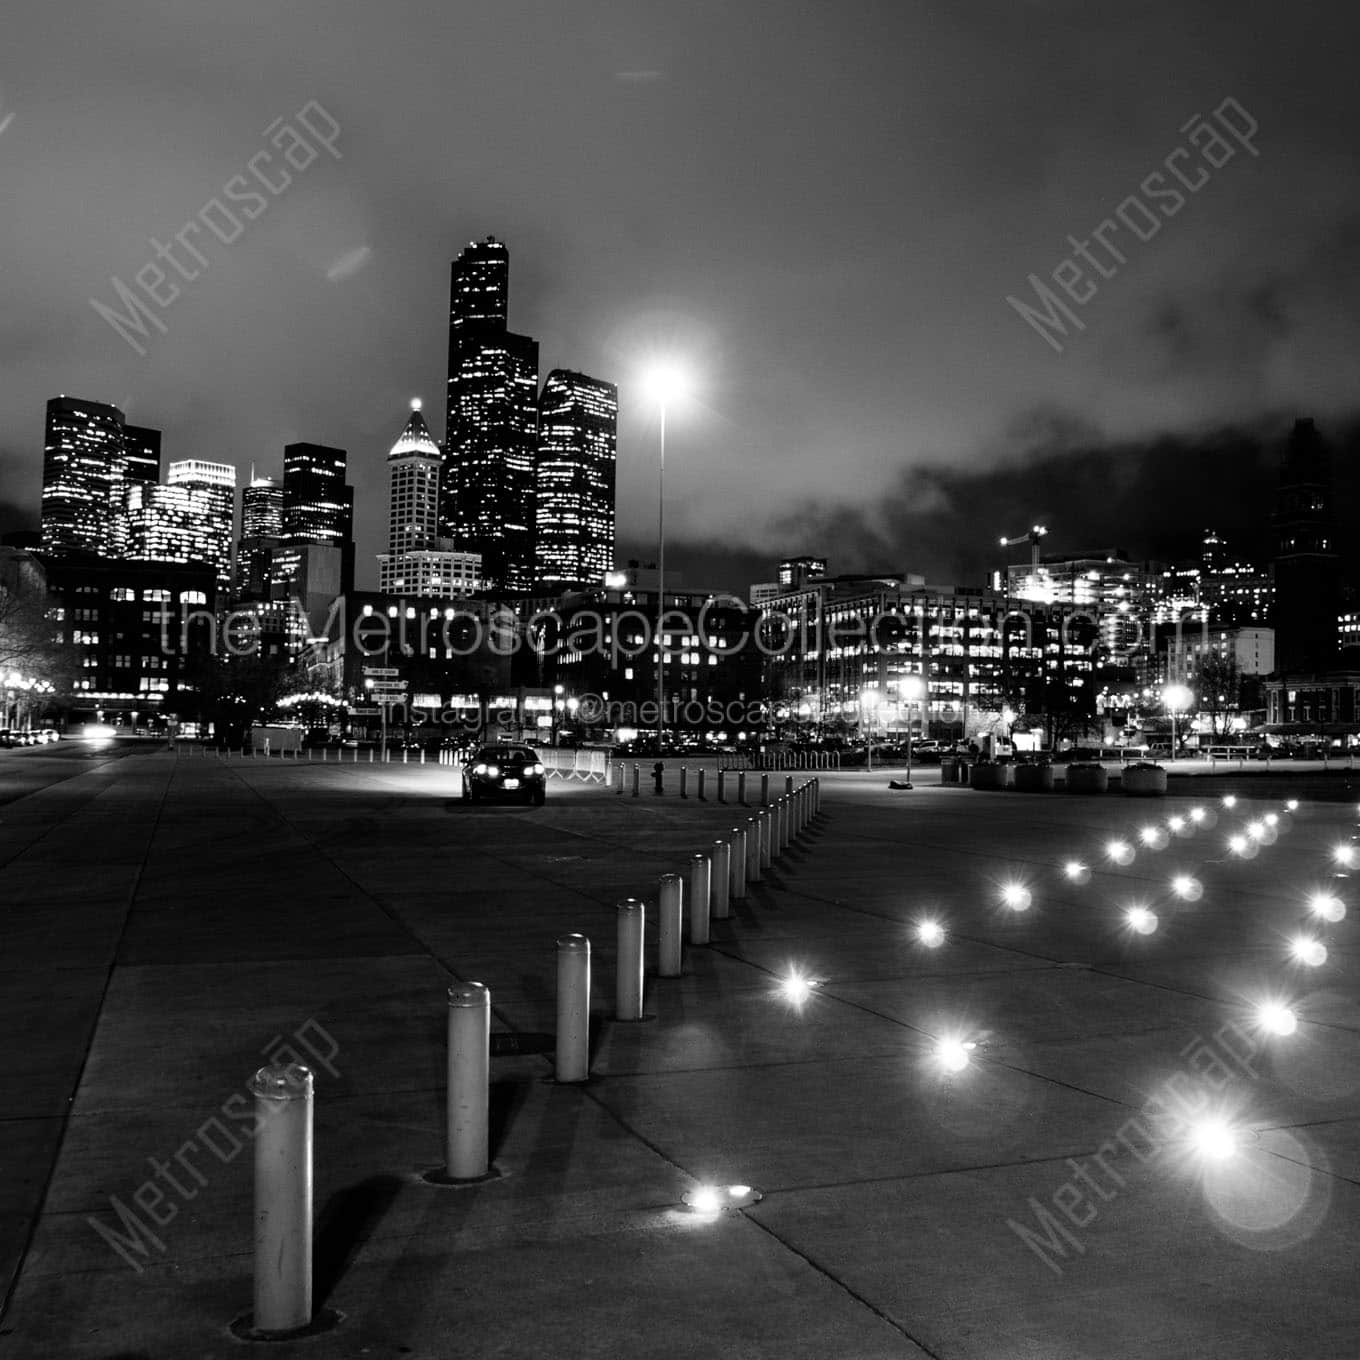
column 1272, row 819
column 1121, row 852
column 1344, row 854
column 705, row 1199
column 1327, row 906
column 1188, row 887
column 1141, row 920
column 1275, row 1018
column 1308, row 950
column 1238, row 844
column 1197, row 815
column 1213, row 1139
column 1016, row 897
column 795, row 988
column 1292, row 805
column 1177, row 824
column 953, row 1054
column 1256, row 830
column 1229, row 800
column 1076, row 871
column 1153, row 836
column 930, row 934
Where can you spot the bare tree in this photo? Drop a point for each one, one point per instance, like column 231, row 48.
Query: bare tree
column 27, row 635
column 1220, row 689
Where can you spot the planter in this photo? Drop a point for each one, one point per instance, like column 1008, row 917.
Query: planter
column 993, row 777
column 1034, row 778
column 1087, row 779
column 1145, row 781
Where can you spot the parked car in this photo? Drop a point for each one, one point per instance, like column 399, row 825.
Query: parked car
column 505, row 771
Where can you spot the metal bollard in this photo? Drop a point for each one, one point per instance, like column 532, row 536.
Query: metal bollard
column 700, row 888
column 741, row 787
column 635, row 781
column 737, row 863
column 467, row 1139
column 781, row 826
column 621, row 776
column 722, row 785
column 632, row 924
column 764, row 790
column 788, row 786
column 766, row 838
column 670, row 914
column 720, row 882
column 754, row 859
column 370, row 755
column 403, row 755
column 684, row 781
column 422, row 755
column 573, row 1008
column 283, row 1197
column 702, row 773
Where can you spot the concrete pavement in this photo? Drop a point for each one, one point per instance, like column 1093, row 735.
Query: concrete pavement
column 167, row 923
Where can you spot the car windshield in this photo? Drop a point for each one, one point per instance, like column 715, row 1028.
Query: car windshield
column 495, row 753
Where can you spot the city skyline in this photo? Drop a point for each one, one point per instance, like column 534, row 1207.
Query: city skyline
column 874, row 247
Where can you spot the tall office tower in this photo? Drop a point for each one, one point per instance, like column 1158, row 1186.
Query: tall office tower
column 142, row 450
column 261, row 532
column 84, row 468
column 318, row 507
column 1307, row 568
column 213, row 488
column 578, row 419
column 187, row 519
column 487, row 480
column 417, row 560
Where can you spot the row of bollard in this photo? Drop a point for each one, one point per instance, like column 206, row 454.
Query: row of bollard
column 284, row 1092
column 630, row 777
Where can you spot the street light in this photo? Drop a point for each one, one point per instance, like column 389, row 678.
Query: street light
column 910, row 689
column 1176, row 699
column 664, row 384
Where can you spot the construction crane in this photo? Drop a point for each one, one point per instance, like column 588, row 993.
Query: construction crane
column 1036, row 532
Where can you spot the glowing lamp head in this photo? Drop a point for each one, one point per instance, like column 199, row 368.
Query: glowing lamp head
column 953, row 1054
column 930, row 934
column 664, row 384
column 1275, row 1018
column 1016, row 897
column 1141, row 920
column 1308, row 951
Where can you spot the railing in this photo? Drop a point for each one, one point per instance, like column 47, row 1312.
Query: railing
column 779, row 760
column 588, row 767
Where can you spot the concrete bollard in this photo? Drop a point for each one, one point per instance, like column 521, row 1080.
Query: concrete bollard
column 782, row 824
column 403, row 755
column 700, row 888
column 788, row 786
column 684, row 781
column 754, row 859
column 636, row 781
column 370, row 754
column 620, row 774
column 737, row 864
column 702, row 773
column 573, row 1008
column 283, row 1198
column 766, row 838
column 741, row 787
column 764, row 790
column 722, row 786
column 467, row 1139
column 422, row 755
column 720, row 882
column 628, row 975
column 670, row 910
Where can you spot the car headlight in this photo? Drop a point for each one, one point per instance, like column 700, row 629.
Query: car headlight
column 535, row 769
column 479, row 769
column 492, row 771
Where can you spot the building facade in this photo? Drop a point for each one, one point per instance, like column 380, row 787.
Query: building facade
column 261, row 533
column 318, row 504
column 84, row 470
column 574, row 477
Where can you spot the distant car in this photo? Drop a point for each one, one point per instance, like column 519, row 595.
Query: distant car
column 505, row 772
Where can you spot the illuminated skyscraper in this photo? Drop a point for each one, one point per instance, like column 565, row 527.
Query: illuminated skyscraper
column 189, row 519
column 261, row 532
column 318, row 507
column 417, row 560
column 142, row 451
column 574, row 479
column 84, row 468
column 487, row 482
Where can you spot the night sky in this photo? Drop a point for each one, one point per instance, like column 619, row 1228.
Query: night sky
column 818, row 208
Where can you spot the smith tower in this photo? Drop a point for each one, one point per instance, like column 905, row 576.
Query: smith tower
column 491, row 433
column 1307, row 568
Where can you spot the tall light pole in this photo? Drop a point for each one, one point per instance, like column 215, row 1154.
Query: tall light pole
column 1176, row 698
column 665, row 385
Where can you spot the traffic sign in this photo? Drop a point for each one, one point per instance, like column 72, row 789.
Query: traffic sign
column 381, row 670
